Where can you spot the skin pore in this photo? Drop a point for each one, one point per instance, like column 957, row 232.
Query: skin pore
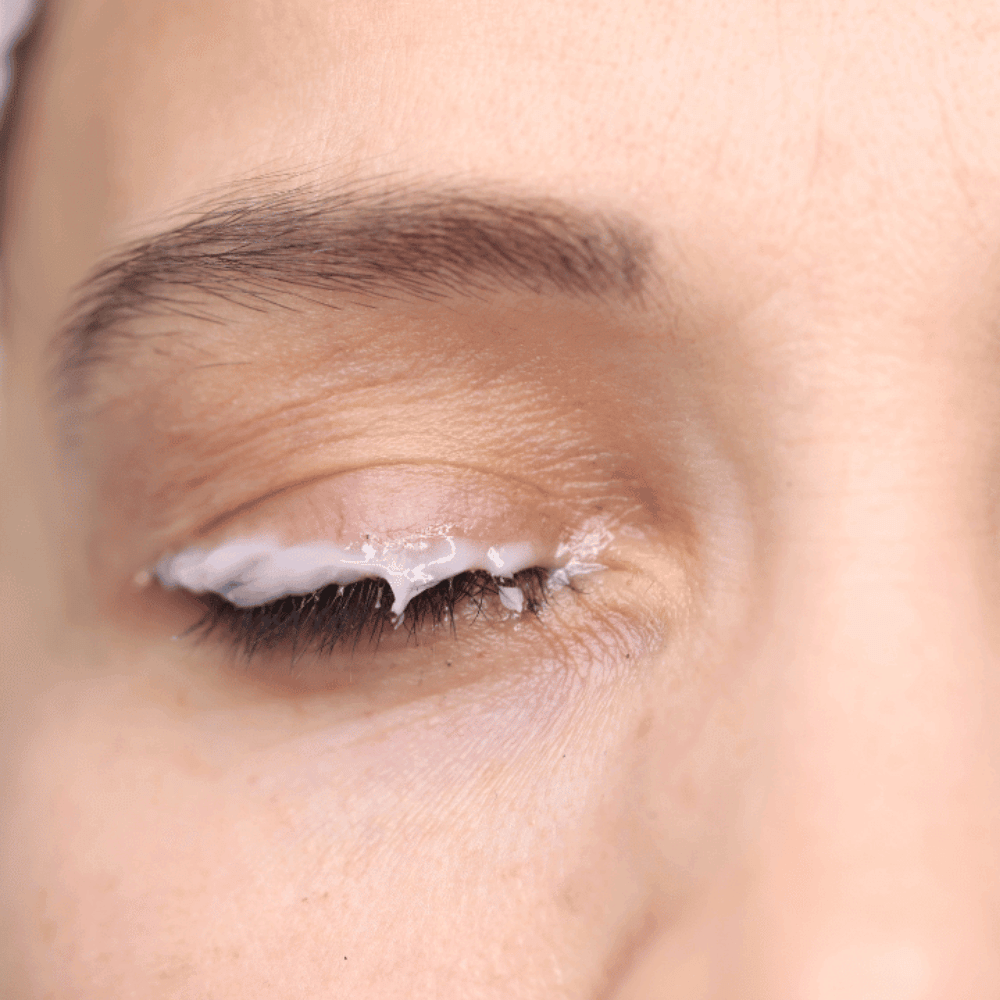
column 726, row 313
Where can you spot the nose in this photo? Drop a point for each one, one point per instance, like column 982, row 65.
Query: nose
column 871, row 870
column 867, row 860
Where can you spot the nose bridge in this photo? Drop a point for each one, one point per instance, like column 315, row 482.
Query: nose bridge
column 869, row 863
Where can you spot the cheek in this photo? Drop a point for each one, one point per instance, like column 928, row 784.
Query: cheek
column 155, row 843
column 173, row 829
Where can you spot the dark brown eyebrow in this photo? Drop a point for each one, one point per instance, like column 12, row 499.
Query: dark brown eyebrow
column 260, row 250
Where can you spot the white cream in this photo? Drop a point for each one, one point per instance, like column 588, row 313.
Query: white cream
column 512, row 598
column 579, row 555
column 252, row 571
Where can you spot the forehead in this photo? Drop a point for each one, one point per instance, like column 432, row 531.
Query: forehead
column 176, row 96
column 752, row 129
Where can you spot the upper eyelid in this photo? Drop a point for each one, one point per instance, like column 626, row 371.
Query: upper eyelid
column 248, row 572
column 233, row 514
column 391, row 500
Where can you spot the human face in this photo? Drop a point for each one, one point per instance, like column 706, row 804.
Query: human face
column 720, row 316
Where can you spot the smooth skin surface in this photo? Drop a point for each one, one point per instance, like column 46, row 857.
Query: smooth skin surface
column 758, row 754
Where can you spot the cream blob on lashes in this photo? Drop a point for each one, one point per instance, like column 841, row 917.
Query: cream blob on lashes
column 249, row 572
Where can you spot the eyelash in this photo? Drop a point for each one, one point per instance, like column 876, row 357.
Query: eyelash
column 358, row 614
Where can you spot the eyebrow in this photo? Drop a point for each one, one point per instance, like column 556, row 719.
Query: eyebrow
column 260, row 250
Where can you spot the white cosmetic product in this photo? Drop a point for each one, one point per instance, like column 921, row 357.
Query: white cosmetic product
column 512, row 598
column 579, row 555
column 251, row 571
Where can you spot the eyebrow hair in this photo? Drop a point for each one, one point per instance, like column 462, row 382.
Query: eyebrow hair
column 371, row 240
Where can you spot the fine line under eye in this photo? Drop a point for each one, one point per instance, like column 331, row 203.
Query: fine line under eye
column 359, row 615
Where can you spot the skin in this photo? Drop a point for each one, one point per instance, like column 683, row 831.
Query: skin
column 757, row 755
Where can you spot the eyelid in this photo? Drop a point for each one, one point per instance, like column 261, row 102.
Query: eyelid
column 357, row 617
column 507, row 610
column 399, row 501
column 249, row 572
column 489, row 541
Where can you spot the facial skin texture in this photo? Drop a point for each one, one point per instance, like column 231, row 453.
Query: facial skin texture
column 758, row 755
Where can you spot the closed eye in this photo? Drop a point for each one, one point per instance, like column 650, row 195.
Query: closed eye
column 358, row 616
